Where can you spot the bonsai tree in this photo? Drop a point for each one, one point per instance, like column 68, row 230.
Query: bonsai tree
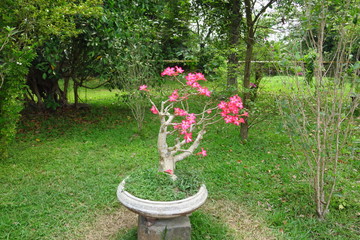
column 188, row 128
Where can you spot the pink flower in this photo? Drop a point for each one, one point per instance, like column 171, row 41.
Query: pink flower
column 174, row 96
column 222, row 105
column 154, row 110
column 179, row 69
column 182, row 132
column 143, row 88
column 185, row 125
column 204, row 91
column 209, row 111
column 235, row 99
column 193, row 84
column 200, row 76
column 233, row 108
column 169, row 72
column 191, row 77
column 253, row 85
column 191, row 118
column 180, row 112
column 229, row 119
column 169, row 171
column 224, row 113
column 246, row 114
column 203, row 152
column 188, row 137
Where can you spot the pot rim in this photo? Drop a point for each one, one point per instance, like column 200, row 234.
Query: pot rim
column 161, row 209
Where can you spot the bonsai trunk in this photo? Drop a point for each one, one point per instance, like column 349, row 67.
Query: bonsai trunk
column 166, row 163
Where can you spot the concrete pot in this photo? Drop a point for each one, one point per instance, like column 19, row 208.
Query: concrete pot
column 161, row 209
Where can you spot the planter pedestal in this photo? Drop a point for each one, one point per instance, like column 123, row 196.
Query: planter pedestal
column 178, row 228
column 160, row 220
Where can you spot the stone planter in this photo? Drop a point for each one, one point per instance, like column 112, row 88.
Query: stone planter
column 162, row 219
column 160, row 209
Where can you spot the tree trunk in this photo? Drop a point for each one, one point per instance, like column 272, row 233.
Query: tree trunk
column 76, row 94
column 65, row 92
column 234, row 35
column 166, row 163
column 233, row 62
column 246, row 83
column 250, row 41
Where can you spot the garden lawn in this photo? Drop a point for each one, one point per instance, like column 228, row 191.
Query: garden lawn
column 61, row 178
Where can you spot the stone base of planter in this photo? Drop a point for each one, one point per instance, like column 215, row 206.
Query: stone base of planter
column 178, row 228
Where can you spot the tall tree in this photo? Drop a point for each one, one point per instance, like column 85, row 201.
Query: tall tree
column 253, row 12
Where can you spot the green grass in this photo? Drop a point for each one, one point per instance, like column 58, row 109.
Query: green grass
column 65, row 167
column 158, row 186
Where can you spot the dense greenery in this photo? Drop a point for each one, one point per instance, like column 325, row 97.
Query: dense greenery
column 24, row 26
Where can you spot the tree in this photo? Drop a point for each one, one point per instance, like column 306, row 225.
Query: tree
column 319, row 116
column 14, row 63
column 74, row 60
column 253, row 14
column 236, row 25
column 25, row 25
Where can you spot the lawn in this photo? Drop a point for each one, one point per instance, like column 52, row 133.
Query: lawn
column 60, row 181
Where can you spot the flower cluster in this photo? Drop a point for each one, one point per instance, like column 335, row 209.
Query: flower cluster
column 180, row 112
column 154, row 110
column 172, row 71
column 230, row 110
column 174, row 96
column 192, row 81
column 203, row 152
column 185, row 126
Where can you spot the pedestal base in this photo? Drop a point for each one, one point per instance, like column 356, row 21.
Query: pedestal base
column 178, row 228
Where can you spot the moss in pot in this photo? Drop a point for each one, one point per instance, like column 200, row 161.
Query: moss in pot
column 153, row 185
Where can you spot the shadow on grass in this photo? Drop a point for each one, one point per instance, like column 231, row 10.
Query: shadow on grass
column 204, row 226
